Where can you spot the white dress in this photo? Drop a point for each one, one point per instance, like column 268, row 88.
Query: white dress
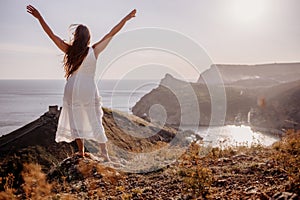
column 81, row 114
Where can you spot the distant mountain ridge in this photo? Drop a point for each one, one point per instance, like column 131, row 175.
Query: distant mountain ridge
column 274, row 73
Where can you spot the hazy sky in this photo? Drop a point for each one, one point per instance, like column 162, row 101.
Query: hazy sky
column 231, row 31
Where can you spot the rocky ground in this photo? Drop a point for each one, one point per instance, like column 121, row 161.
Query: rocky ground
column 33, row 166
column 200, row 173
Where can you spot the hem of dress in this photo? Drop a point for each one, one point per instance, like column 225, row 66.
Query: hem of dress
column 73, row 139
column 69, row 139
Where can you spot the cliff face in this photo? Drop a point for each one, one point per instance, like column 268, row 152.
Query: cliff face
column 261, row 95
column 281, row 109
column 35, row 142
column 179, row 101
column 188, row 103
column 128, row 132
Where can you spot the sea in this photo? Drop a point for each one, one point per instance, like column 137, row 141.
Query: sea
column 22, row 101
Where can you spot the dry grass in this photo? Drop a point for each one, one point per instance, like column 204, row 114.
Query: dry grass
column 9, row 191
column 287, row 157
column 90, row 169
column 196, row 174
column 35, row 184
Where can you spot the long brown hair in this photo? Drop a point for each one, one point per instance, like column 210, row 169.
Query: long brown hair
column 77, row 50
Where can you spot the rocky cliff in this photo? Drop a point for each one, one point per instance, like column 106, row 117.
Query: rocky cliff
column 128, row 132
column 35, row 142
column 262, row 96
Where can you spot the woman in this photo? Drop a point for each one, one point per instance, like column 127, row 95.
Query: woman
column 81, row 115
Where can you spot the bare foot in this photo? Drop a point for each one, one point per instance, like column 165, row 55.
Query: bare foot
column 80, row 154
column 105, row 158
column 88, row 155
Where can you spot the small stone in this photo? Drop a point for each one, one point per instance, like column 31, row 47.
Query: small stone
column 239, row 156
column 224, row 160
column 285, row 196
column 221, row 182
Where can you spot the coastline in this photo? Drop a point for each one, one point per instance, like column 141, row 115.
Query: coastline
column 199, row 172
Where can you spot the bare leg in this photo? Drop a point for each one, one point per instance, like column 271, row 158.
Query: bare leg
column 104, row 151
column 80, row 145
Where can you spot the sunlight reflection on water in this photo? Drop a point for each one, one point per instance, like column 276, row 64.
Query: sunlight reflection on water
column 231, row 135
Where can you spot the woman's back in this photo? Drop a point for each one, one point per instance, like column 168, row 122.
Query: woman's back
column 88, row 66
column 81, row 115
column 81, row 88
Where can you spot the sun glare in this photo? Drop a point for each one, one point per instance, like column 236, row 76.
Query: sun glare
column 247, row 11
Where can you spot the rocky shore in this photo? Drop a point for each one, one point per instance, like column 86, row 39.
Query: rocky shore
column 33, row 166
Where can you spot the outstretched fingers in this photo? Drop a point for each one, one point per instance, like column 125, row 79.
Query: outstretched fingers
column 131, row 14
column 33, row 11
column 30, row 9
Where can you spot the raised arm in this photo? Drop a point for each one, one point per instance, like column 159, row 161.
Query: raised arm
column 100, row 46
column 58, row 41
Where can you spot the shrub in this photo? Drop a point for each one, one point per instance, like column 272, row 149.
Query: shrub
column 197, row 177
column 287, row 158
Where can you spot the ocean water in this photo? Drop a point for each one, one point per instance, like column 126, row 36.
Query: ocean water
column 22, row 101
column 230, row 135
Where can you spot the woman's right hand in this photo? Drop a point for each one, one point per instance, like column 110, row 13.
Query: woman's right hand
column 131, row 15
column 33, row 11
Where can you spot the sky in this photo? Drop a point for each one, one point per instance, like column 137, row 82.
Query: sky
column 230, row 32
